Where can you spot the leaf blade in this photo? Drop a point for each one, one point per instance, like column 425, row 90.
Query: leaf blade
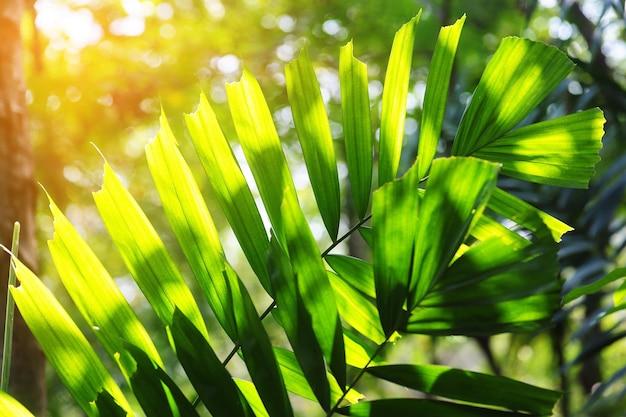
column 313, row 129
column 394, row 101
column 357, row 127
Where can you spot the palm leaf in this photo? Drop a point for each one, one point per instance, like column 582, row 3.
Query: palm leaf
column 436, row 95
column 9, row 406
column 144, row 254
column 357, row 127
column 518, row 77
column 230, row 186
column 96, row 295
column 457, row 192
column 63, row 343
column 473, row 387
column 192, row 223
column 313, row 130
column 394, row 101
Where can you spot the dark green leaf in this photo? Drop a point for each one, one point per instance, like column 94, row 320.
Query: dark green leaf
column 211, row 380
column 156, row 392
column 394, row 224
column 595, row 286
column 413, row 407
column 472, row 387
column 457, row 192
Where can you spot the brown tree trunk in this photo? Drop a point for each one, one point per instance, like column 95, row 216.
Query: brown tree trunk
column 17, row 203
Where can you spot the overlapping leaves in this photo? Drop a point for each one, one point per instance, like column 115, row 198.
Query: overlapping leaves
column 443, row 261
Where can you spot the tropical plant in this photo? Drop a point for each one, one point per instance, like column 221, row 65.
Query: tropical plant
column 451, row 252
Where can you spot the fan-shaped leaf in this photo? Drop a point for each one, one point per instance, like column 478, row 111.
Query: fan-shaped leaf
column 394, row 101
column 230, row 186
column 436, row 94
column 357, row 127
column 561, row 152
column 518, row 77
column 313, row 130
column 63, row 343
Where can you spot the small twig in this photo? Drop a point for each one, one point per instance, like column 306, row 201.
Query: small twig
column 10, row 313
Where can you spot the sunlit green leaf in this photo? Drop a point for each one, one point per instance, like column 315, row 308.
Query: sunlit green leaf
column 211, row 380
column 394, row 225
column 249, row 391
column 472, row 387
column 63, row 343
column 394, row 100
column 457, row 192
column 436, row 94
column 143, row 252
column 261, row 147
column 96, row 295
column 313, row 128
column 297, row 384
column 357, row 127
column 522, row 213
column 560, row 152
column 230, row 186
column 354, row 271
column 358, row 311
column 360, row 354
column 156, row 392
column 191, row 222
column 518, row 77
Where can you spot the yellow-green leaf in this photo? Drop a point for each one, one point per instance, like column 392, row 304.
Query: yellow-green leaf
column 395, row 93
column 313, row 131
column 357, row 127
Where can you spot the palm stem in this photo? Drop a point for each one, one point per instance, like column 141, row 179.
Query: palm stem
column 7, row 347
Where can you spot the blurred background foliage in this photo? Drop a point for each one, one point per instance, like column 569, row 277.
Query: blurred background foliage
column 99, row 72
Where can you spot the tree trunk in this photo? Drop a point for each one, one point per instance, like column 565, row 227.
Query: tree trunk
column 18, row 193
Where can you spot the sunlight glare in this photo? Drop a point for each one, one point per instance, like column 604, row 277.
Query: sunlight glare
column 67, row 28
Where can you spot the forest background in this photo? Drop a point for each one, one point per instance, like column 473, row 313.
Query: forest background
column 99, row 73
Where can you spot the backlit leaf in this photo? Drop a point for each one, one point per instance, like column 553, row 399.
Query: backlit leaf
column 63, row 343
column 230, row 186
column 313, row 129
column 436, row 94
column 96, row 295
column 518, row 77
column 144, row 254
column 357, row 127
column 394, row 100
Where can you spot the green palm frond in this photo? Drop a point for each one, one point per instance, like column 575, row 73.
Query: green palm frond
column 451, row 254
